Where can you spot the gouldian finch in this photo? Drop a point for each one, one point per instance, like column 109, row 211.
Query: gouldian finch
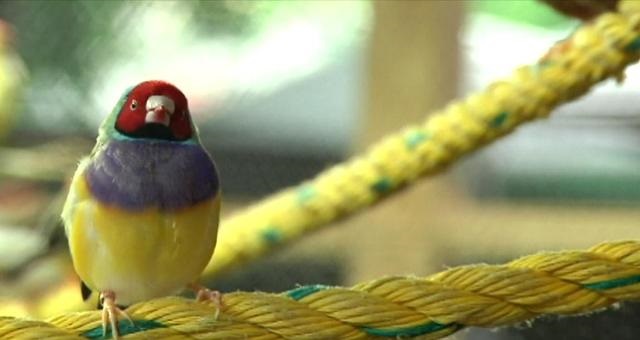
column 141, row 216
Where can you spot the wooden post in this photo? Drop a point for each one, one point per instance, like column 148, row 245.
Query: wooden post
column 413, row 69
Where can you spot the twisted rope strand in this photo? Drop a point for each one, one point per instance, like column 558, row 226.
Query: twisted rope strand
column 560, row 283
column 593, row 53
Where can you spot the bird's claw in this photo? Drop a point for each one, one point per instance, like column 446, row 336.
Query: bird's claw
column 204, row 294
column 110, row 314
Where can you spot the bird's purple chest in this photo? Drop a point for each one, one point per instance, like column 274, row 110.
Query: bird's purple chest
column 138, row 175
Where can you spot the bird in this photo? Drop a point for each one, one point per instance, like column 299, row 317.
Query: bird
column 142, row 211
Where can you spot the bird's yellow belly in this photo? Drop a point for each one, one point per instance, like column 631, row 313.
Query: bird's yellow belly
column 140, row 255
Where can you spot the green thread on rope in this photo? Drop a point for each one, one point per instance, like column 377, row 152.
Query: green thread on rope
column 615, row 283
column 499, row 119
column 414, row 138
column 306, row 193
column 272, row 235
column 303, row 291
column 634, row 46
column 383, row 185
column 124, row 328
column 427, row 328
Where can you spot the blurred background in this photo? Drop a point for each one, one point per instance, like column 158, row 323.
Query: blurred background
column 283, row 89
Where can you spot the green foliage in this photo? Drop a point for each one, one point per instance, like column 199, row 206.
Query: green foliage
column 529, row 12
column 230, row 17
column 68, row 46
column 69, row 38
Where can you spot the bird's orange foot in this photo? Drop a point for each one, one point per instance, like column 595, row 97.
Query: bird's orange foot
column 110, row 313
column 205, row 294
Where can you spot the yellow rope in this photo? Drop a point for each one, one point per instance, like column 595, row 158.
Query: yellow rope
column 567, row 282
column 595, row 52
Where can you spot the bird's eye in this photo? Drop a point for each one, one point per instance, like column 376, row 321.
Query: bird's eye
column 134, row 105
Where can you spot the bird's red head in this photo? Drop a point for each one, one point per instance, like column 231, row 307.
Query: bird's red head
column 155, row 109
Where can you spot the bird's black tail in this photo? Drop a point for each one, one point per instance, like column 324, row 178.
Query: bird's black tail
column 85, row 291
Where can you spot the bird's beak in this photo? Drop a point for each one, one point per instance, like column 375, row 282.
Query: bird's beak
column 158, row 115
column 159, row 110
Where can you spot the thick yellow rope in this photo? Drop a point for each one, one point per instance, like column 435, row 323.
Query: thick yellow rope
column 567, row 282
column 593, row 53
